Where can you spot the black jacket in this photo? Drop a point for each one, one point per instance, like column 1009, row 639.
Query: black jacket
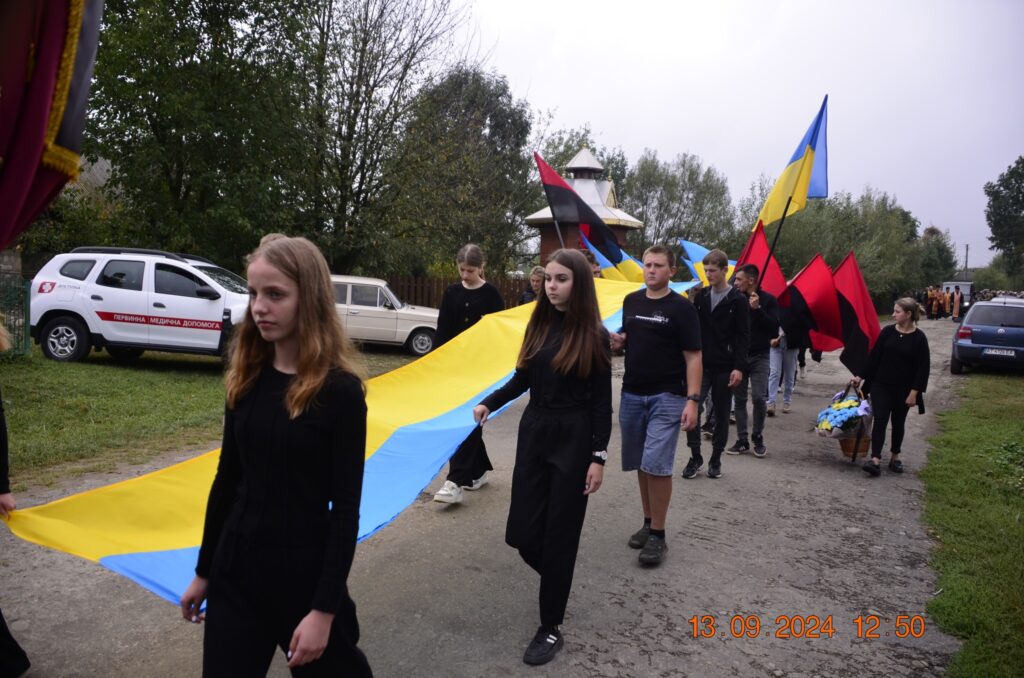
column 725, row 334
column 764, row 323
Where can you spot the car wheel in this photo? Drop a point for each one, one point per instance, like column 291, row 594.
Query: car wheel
column 65, row 339
column 955, row 366
column 124, row 355
column 420, row 342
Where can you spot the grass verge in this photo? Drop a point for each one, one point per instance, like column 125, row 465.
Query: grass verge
column 66, row 418
column 974, row 503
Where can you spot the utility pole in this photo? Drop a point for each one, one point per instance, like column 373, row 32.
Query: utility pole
column 967, row 253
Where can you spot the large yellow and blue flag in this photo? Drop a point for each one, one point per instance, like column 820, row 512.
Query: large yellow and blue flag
column 805, row 176
column 149, row 528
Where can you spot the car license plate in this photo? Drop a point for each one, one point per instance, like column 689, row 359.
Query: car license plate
column 1008, row 352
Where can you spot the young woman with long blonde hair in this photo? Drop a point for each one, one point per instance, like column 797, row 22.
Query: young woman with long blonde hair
column 283, row 514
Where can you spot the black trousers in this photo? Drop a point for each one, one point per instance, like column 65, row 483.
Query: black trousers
column 547, row 509
column 888, row 403
column 252, row 610
column 13, row 660
column 470, row 460
column 717, row 383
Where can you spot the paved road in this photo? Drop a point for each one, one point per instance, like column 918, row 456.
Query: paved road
column 796, row 534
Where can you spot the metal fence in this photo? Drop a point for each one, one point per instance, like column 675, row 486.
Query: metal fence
column 14, row 311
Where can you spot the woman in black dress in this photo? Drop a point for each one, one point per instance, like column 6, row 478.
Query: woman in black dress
column 896, row 377
column 283, row 514
column 563, row 435
column 462, row 306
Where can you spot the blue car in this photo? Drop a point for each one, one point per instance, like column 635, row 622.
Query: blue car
column 990, row 335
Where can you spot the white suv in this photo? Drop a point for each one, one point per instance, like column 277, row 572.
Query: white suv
column 371, row 312
column 130, row 300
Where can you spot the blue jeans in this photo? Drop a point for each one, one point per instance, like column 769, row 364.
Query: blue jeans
column 783, row 366
column 650, row 431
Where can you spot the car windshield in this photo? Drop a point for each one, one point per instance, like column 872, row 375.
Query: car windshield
column 399, row 304
column 232, row 282
column 999, row 316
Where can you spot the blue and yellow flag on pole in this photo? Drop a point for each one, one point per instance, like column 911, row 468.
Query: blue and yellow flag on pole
column 806, row 175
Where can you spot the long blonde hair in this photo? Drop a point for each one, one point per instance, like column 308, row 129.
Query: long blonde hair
column 5, row 337
column 323, row 345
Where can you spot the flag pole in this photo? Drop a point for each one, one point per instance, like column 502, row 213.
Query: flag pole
column 775, row 240
column 558, row 230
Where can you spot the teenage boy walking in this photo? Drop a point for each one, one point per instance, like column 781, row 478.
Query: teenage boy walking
column 661, row 336
column 724, row 314
column 764, row 326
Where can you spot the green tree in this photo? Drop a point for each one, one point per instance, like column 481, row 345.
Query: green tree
column 1005, row 215
column 938, row 258
column 678, row 199
column 194, row 106
column 462, row 174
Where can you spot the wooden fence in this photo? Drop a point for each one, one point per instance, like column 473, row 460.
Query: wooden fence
column 428, row 291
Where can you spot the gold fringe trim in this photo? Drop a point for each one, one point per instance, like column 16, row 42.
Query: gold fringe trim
column 76, row 9
column 65, row 161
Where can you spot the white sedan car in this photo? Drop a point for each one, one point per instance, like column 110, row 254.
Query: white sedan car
column 371, row 312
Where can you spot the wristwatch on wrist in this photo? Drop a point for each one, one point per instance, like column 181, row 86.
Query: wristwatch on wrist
column 599, row 457
column 695, row 397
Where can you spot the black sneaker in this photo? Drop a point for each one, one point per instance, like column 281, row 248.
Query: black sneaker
column 693, row 467
column 872, row 468
column 759, row 449
column 741, row 447
column 708, row 430
column 544, row 646
column 896, row 466
column 714, row 470
column 653, row 551
column 639, row 537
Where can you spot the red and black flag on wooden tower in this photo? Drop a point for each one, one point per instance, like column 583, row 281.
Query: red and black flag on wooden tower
column 568, row 208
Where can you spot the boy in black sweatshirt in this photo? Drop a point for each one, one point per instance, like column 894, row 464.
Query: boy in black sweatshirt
column 724, row 314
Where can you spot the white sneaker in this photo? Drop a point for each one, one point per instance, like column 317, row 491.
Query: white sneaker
column 450, row 493
column 478, row 483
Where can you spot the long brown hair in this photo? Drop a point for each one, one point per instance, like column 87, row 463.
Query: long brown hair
column 323, row 345
column 584, row 345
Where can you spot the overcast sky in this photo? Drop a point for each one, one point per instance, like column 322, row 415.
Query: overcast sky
column 926, row 98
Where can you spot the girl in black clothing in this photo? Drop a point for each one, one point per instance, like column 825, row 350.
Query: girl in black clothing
column 13, row 660
column 896, row 376
column 462, row 305
column 563, row 435
column 283, row 514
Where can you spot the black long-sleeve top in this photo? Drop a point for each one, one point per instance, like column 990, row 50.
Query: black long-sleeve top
column 290, row 485
column 764, row 323
column 461, row 308
column 551, row 390
column 5, row 482
column 900, row 360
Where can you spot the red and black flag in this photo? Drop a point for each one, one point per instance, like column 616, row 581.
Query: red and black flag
column 811, row 297
column 756, row 252
column 568, row 208
column 47, row 51
column 860, row 321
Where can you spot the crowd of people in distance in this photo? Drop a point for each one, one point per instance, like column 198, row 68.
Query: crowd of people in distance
column 939, row 303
